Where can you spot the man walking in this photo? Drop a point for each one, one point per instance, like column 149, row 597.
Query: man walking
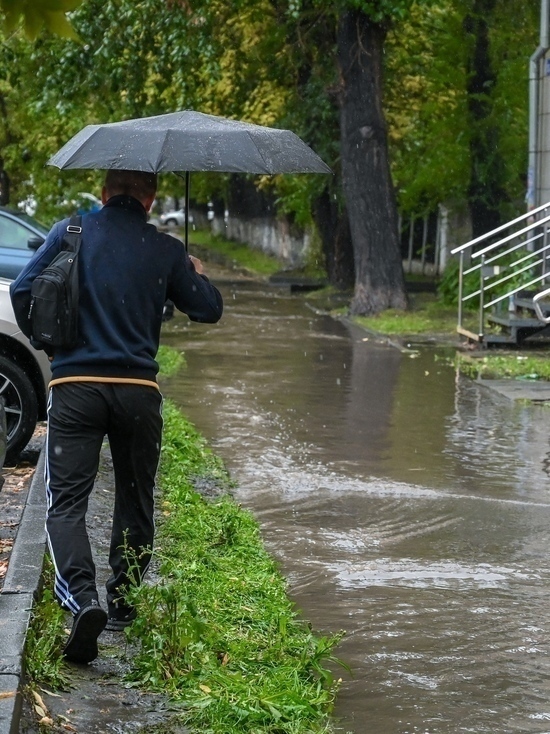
column 106, row 385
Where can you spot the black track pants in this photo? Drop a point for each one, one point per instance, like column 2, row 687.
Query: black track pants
column 80, row 415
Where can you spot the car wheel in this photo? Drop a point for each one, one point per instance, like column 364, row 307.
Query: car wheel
column 171, row 223
column 21, row 407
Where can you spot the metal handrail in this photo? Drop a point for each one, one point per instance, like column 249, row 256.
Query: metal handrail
column 518, row 289
column 513, row 236
column 502, row 280
column 538, row 309
column 493, row 232
column 534, row 262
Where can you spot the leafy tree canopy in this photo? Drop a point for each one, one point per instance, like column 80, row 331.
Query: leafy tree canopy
column 38, row 14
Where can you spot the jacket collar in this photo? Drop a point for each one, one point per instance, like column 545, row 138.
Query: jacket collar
column 123, row 201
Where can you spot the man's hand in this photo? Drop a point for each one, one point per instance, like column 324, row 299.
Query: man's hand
column 197, row 263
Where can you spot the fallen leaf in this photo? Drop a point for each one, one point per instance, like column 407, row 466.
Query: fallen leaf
column 50, row 693
column 38, row 700
column 205, row 688
column 39, row 710
column 8, row 694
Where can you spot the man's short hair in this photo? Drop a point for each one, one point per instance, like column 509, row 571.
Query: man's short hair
column 139, row 184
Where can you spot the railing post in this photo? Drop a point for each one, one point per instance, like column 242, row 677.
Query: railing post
column 544, row 253
column 460, row 287
column 481, row 299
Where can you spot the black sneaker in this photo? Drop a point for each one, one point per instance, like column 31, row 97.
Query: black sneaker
column 120, row 616
column 88, row 624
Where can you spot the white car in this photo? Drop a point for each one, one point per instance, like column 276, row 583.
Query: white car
column 174, row 219
column 24, row 377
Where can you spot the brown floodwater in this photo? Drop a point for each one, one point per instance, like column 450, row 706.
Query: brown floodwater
column 406, row 505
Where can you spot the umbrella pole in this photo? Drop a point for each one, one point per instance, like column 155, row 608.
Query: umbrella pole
column 186, row 206
column 187, row 182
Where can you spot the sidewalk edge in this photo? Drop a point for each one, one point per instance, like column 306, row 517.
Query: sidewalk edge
column 16, row 599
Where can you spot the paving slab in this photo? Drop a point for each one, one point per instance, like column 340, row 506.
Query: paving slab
column 537, row 391
column 27, row 555
column 10, row 704
column 15, row 611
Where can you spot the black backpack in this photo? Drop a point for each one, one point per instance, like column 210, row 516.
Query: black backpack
column 53, row 313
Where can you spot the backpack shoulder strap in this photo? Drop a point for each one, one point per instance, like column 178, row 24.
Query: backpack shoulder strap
column 73, row 235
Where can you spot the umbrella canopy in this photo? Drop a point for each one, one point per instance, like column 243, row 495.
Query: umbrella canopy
column 188, row 141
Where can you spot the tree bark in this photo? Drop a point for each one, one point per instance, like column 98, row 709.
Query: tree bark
column 333, row 227
column 367, row 184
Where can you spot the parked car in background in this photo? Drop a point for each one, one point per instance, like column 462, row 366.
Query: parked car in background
column 85, row 203
column 20, row 237
column 174, row 219
column 24, row 377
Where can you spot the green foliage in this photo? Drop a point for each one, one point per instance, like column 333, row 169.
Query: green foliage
column 233, row 254
column 427, row 106
column 270, row 62
column 45, row 638
column 498, row 366
column 447, row 288
column 430, row 126
column 37, row 14
column 170, row 361
column 217, row 632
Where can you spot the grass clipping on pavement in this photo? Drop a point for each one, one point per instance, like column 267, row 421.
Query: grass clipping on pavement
column 218, row 632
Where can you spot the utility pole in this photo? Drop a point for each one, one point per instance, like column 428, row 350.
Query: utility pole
column 538, row 175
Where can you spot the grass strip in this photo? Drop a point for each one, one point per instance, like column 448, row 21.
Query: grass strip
column 501, row 366
column 218, row 631
column 235, row 254
column 427, row 314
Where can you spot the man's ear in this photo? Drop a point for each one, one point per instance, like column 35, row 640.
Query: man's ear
column 148, row 202
column 104, row 197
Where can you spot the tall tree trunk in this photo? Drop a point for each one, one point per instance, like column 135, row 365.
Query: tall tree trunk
column 485, row 194
column 367, row 184
column 333, row 226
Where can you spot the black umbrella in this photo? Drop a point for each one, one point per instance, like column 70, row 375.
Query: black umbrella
column 188, row 141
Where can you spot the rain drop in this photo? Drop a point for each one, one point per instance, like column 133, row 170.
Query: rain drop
column 338, row 381
column 58, row 450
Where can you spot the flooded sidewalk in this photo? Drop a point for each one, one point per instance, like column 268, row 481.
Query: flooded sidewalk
column 406, row 505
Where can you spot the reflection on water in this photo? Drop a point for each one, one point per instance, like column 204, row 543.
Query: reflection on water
column 407, row 506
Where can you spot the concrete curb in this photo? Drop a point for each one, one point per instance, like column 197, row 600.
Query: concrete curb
column 16, row 600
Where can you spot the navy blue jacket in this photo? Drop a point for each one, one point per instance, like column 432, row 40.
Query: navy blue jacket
column 127, row 270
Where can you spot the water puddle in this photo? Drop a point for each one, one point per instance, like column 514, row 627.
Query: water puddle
column 406, row 505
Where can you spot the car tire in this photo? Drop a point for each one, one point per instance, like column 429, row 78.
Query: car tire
column 21, row 407
column 171, row 223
